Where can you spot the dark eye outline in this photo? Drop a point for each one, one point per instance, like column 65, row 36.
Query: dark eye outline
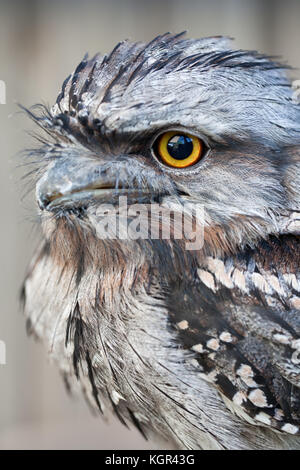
column 159, row 146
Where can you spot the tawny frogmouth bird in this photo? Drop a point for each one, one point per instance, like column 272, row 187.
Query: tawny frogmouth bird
column 200, row 347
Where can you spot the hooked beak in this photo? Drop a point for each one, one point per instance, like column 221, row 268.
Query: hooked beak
column 75, row 182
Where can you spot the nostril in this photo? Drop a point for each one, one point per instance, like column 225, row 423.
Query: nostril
column 180, row 192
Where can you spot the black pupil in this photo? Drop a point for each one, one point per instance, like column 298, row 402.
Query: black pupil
column 180, row 147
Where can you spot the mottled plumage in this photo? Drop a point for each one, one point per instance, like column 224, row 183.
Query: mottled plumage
column 201, row 348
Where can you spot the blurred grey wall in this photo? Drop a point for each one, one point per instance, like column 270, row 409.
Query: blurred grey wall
column 40, row 44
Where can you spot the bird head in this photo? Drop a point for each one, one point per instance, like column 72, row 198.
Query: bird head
column 173, row 122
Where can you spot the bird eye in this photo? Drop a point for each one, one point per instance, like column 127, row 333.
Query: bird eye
column 179, row 150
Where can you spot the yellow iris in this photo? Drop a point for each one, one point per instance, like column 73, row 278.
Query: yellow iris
column 179, row 150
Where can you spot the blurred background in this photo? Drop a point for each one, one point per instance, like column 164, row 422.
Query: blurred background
column 41, row 42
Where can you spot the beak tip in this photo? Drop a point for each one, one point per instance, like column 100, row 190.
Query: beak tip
column 42, row 203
